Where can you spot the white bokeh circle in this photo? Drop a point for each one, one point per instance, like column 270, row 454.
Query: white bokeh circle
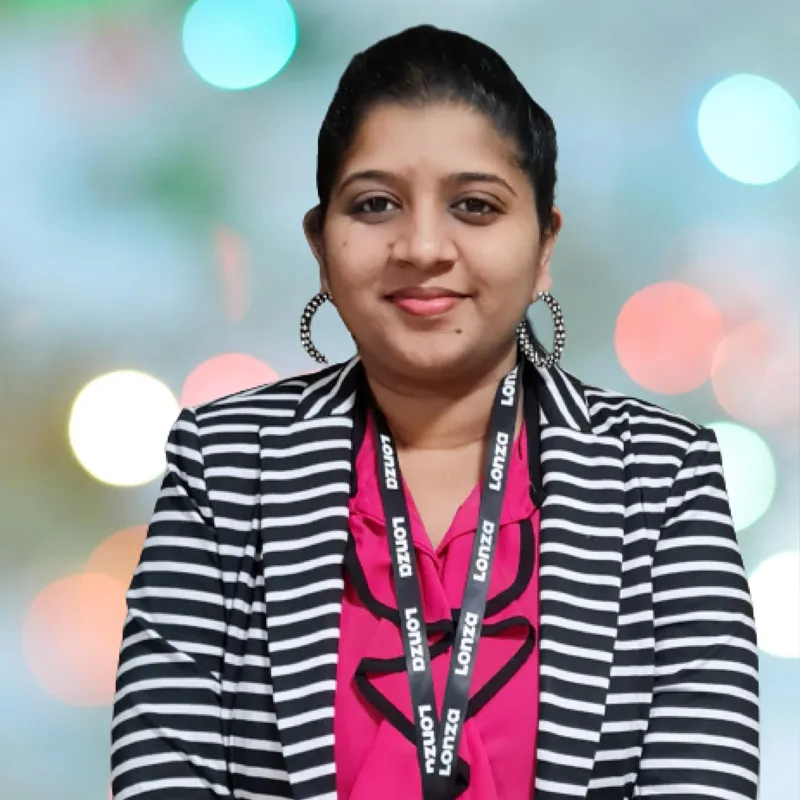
column 119, row 425
column 775, row 586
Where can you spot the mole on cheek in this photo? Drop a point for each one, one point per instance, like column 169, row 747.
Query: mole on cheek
column 458, row 330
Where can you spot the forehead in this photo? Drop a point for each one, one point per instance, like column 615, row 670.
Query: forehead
column 440, row 138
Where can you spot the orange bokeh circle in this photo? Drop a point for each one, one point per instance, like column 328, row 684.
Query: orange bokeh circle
column 666, row 337
column 71, row 638
column 118, row 555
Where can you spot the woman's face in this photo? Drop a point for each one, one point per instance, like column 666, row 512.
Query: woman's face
column 431, row 246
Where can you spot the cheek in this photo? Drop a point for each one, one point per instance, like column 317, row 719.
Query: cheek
column 504, row 269
column 354, row 260
column 507, row 247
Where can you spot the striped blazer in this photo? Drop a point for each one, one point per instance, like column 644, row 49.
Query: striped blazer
column 648, row 660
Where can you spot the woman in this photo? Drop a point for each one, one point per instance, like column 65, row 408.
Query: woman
column 557, row 607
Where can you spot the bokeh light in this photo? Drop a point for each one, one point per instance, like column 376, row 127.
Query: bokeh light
column 775, row 586
column 118, row 426
column 224, row 375
column 749, row 269
column 770, row 392
column 750, row 474
column 666, row 337
column 71, row 638
column 118, row 555
column 239, row 44
column 749, row 128
column 59, row 5
column 234, row 265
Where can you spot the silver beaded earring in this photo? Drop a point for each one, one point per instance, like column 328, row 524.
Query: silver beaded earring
column 320, row 298
column 560, row 338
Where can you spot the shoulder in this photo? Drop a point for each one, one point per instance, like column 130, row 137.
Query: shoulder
column 236, row 423
column 608, row 407
column 269, row 404
column 646, row 428
column 667, row 454
column 253, row 407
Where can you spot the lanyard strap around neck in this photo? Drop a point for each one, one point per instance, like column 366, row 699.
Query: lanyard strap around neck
column 437, row 742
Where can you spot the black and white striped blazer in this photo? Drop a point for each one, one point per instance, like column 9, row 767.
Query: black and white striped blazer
column 648, row 660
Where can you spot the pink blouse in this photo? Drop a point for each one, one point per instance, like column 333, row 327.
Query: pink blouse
column 373, row 721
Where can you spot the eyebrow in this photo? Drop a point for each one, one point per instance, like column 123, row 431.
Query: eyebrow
column 456, row 177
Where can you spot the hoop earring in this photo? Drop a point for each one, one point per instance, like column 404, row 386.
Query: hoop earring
column 526, row 343
column 319, row 299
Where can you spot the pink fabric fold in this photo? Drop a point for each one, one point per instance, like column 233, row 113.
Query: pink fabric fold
column 375, row 756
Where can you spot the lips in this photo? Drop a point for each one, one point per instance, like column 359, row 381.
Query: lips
column 425, row 301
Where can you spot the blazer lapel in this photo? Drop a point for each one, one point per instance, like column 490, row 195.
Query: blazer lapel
column 580, row 566
column 582, row 521
column 305, row 529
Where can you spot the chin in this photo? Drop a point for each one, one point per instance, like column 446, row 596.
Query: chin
column 432, row 361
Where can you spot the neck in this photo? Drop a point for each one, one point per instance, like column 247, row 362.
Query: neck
column 444, row 416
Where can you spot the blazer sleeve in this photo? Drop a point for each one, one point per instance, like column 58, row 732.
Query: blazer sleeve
column 702, row 736
column 166, row 735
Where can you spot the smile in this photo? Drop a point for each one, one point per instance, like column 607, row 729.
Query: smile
column 423, row 302
column 421, row 307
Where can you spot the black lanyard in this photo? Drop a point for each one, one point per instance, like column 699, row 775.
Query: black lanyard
column 437, row 744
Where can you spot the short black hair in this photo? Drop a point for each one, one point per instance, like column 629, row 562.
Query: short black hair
column 423, row 65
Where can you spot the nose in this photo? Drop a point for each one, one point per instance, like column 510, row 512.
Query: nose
column 424, row 240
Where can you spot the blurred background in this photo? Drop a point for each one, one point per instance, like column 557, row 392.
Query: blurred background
column 156, row 158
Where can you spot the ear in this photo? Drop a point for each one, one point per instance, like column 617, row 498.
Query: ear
column 312, row 227
column 544, row 278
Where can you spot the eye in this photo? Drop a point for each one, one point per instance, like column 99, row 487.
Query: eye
column 374, row 205
column 474, row 206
